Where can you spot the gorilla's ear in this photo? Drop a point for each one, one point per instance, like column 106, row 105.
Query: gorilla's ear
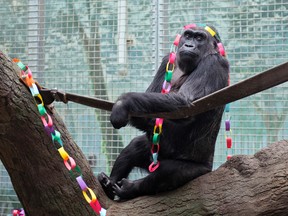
column 215, row 45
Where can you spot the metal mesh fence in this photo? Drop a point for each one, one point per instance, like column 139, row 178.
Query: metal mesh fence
column 105, row 48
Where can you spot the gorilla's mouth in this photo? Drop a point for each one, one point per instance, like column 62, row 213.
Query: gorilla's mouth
column 187, row 53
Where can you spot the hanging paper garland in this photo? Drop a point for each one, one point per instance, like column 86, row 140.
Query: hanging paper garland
column 69, row 162
column 228, row 132
column 18, row 212
column 166, row 87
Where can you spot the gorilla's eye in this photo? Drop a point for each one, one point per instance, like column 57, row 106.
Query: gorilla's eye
column 199, row 38
column 187, row 35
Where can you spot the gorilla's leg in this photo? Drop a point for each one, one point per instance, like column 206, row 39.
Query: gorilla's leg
column 136, row 154
column 170, row 175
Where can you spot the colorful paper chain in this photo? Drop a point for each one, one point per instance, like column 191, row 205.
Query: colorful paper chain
column 166, row 87
column 228, row 132
column 222, row 52
column 18, row 212
column 69, row 162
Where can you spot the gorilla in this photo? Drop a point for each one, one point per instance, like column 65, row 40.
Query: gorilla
column 199, row 67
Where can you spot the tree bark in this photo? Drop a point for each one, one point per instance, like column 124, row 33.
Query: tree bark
column 38, row 174
column 245, row 185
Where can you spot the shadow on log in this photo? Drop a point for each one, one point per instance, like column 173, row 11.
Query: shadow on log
column 245, row 185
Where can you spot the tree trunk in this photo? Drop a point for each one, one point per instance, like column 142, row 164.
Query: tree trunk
column 245, row 185
column 38, row 174
column 112, row 140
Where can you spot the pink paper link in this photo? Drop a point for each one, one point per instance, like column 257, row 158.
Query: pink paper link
column 72, row 164
column 153, row 166
column 159, row 121
column 96, row 206
column 44, row 121
column 192, row 25
column 221, row 49
column 177, row 39
column 172, row 58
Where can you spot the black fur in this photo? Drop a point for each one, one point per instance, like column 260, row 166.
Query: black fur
column 187, row 145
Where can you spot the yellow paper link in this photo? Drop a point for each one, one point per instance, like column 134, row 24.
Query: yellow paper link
column 39, row 97
column 35, row 92
column 167, row 66
column 87, row 198
column 63, row 154
column 226, row 133
column 159, row 130
column 213, row 33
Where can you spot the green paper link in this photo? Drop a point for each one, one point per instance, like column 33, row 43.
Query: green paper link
column 22, row 66
column 217, row 36
column 41, row 109
column 77, row 171
column 155, row 158
column 168, row 75
column 57, row 137
column 156, row 138
column 227, row 107
column 201, row 25
column 173, row 48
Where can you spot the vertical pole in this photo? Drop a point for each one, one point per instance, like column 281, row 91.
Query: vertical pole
column 155, row 23
column 122, row 29
column 36, row 40
column 159, row 24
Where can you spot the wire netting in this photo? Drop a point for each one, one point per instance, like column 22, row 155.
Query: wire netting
column 104, row 48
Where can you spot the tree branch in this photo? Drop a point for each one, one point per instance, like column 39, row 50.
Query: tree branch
column 245, row 185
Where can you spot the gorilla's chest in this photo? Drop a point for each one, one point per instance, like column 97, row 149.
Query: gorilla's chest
column 177, row 74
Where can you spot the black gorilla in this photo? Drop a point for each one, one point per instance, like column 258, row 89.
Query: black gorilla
column 187, row 145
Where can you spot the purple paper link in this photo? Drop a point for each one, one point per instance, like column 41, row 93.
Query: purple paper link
column 166, row 86
column 52, row 130
column 227, row 125
column 22, row 212
column 48, row 131
column 81, row 183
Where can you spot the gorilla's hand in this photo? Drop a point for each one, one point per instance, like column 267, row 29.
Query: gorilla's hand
column 126, row 189
column 120, row 114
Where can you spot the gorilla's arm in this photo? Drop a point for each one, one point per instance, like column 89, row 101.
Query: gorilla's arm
column 210, row 75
